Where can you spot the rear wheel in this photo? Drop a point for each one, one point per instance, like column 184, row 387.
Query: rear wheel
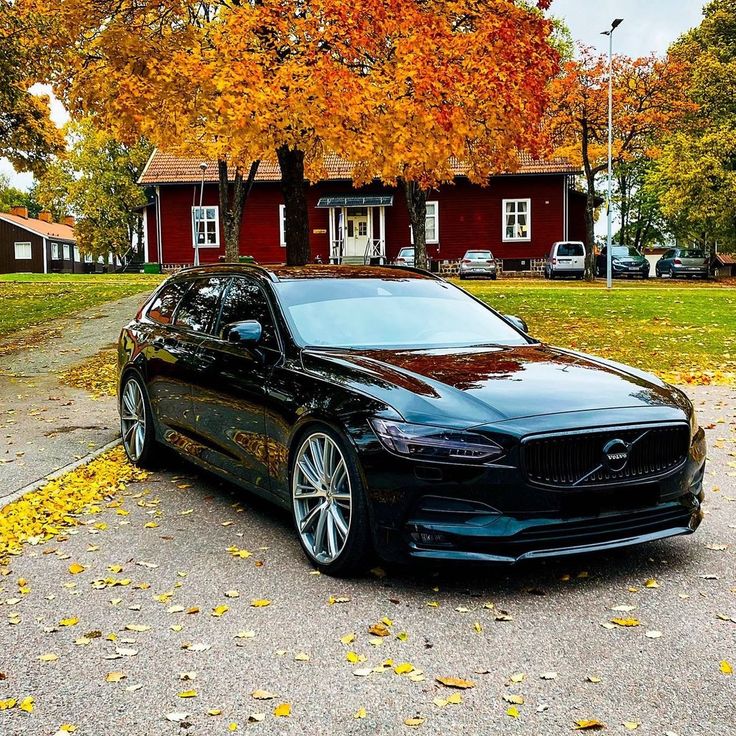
column 329, row 503
column 136, row 422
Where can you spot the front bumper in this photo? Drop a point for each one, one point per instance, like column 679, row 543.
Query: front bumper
column 625, row 270
column 493, row 515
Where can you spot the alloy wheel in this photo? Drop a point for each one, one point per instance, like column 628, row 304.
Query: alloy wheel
column 133, row 419
column 322, row 497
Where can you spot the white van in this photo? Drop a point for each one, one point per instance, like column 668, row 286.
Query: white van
column 566, row 258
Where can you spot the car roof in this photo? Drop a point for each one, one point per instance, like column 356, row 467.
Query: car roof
column 279, row 273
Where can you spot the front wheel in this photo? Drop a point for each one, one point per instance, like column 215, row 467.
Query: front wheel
column 329, row 503
column 136, row 422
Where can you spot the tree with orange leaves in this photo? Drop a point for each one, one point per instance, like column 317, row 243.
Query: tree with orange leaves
column 648, row 99
column 398, row 86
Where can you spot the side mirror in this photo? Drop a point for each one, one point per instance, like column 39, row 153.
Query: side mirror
column 518, row 322
column 247, row 334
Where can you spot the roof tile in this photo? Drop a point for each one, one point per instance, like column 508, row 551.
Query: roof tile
column 41, row 227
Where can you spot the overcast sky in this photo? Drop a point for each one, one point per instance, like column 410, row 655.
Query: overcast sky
column 649, row 26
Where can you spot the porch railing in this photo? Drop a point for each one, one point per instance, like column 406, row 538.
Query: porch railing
column 375, row 251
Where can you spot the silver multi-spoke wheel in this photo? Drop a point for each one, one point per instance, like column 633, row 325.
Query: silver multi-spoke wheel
column 322, row 496
column 133, row 419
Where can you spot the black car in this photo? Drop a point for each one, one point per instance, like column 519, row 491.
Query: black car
column 392, row 412
column 625, row 261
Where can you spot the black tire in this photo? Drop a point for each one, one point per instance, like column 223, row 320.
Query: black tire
column 462, row 278
column 673, row 275
column 147, row 453
column 493, row 277
column 356, row 554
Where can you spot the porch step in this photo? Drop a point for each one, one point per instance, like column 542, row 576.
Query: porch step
column 352, row 260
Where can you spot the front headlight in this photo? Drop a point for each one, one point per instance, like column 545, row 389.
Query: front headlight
column 616, row 262
column 422, row 442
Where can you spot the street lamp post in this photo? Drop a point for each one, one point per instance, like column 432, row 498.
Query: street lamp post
column 609, row 211
column 200, row 222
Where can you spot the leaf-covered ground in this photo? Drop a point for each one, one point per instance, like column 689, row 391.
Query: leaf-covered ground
column 683, row 331
column 177, row 605
column 98, row 374
column 34, row 299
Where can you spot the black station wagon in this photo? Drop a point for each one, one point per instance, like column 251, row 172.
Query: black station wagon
column 393, row 413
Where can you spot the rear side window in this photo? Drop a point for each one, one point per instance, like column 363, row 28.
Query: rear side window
column 245, row 300
column 692, row 254
column 198, row 310
column 165, row 304
column 570, row 249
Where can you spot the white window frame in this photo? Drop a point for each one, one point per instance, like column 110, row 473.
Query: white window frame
column 55, row 251
column 436, row 218
column 282, row 225
column 527, row 238
column 66, row 252
column 77, row 254
column 206, row 207
column 24, row 243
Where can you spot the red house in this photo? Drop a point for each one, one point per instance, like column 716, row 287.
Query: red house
column 517, row 216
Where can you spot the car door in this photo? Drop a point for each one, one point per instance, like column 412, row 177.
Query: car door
column 195, row 317
column 231, row 388
column 165, row 356
column 602, row 262
column 665, row 265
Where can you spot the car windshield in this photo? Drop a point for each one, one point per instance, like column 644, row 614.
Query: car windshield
column 570, row 249
column 479, row 255
column 406, row 253
column 692, row 254
column 380, row 313
column 623, row 251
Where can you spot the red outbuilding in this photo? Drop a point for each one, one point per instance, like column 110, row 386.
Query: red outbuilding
column 517, row 216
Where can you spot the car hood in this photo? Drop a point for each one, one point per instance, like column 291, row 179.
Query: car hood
column 475, row 386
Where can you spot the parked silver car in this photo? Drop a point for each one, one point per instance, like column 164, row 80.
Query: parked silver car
column 405, row 257
column 478, row 264
column 678, row 262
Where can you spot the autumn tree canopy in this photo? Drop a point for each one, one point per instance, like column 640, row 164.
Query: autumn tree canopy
column 399, row 86
column 28, row 137
column 648, row 99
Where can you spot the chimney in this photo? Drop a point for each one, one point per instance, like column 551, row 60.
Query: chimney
column 19, row 211
column 45, row 216
column 69, row 220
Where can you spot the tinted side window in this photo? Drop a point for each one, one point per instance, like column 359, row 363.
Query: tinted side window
column 198, row 311
column 163, row 307
column 245, row 300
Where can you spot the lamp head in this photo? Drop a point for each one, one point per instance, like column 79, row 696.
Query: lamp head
column 203, row 167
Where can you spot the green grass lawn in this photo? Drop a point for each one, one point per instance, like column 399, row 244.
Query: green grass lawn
column 684, row 331
column 31, row 299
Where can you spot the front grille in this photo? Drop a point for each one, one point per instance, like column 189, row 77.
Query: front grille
column 578, row 460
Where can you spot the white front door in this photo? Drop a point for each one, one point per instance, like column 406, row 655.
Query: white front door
column 356, row 232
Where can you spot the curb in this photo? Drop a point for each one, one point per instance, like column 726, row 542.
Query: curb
column 15, row 495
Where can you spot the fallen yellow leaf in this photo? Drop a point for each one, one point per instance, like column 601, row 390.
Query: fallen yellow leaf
column 69, row 621
column 219, row 611
column 626, row 622
column 260, row 602
column 75, row 568
column 283, row 710
column 27, row 704
column 512, row 711
column 262, row 695
column 726, row 667
column 414, row 722
column 188, row 694
column 114, row 676
column 360, row 713
column 591, row 724
column 455, row 682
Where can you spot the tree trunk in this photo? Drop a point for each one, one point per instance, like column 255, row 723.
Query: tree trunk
column 293, row 186
column 623, row 184
column 416, row 202
column 232, row 210
column 589, row 209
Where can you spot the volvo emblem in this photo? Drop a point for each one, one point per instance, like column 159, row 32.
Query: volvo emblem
column 616, row 455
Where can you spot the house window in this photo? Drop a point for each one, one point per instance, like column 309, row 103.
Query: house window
column 66, row 251
column 23, row 252
column 87, row 258
column 55, row 252
column 432, row 224
column 517, row 215
column 282, row 225
column 206, row 227
column 77, row 255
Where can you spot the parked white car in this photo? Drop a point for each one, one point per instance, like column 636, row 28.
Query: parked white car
column 566, row 258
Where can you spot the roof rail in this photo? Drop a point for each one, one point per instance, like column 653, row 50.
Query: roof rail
column 231, row 267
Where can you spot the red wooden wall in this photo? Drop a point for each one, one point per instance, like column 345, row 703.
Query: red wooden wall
column 470, row 217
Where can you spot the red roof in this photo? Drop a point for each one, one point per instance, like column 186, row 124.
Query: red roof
column 726, row 259
column 163, row 168
column 41, row 227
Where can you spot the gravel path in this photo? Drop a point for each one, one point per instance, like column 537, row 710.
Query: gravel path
column 170, row 538
column 45, row 425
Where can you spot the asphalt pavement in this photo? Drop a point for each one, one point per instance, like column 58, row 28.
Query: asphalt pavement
column 537, row 641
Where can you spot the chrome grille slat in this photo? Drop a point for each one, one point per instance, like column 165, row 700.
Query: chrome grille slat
column 563, row 460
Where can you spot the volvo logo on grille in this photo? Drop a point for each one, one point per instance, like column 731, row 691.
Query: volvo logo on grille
column 616, row 455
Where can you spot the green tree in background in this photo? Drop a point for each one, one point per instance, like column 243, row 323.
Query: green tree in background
column 11, row 196
column 96, row 180
column 695, row 175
